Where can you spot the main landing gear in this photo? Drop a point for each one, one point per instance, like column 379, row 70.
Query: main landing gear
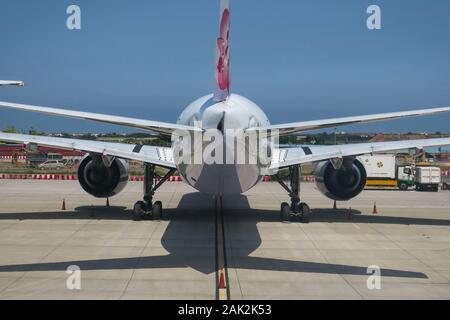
column 147, row 209
column 297, row 209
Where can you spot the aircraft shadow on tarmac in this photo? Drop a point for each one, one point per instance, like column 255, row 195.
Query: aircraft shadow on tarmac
column 189, row 238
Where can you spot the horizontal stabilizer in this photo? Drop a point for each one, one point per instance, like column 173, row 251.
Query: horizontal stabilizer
column 160, row 127
column 296, row 127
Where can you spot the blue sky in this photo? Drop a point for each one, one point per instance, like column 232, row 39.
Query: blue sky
column 298, row 60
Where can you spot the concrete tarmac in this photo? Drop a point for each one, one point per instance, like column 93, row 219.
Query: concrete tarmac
column 409, row 239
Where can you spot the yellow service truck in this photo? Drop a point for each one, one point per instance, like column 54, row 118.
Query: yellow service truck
column 384, row 172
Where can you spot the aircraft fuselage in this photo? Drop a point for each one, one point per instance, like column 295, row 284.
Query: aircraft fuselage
column 224, row 119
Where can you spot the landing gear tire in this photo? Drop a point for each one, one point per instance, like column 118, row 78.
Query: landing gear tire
column 147, row 209
column 138, row 211
column 285, row 212
column 305, row 212
column 297, row 210
column 157, row 210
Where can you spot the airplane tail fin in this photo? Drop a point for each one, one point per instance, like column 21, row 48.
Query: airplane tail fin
column 223, row 54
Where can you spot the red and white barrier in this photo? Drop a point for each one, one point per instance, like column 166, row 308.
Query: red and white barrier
column 309, row 178
column 10, row 158
column 171, row 179
column 304, row 179
column 4, row 176
column 62, row 177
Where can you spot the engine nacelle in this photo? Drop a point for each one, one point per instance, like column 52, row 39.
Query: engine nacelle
column 101, row 181
column 341, row 184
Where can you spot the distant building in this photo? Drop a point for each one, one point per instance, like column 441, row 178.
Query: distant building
column 10, row 152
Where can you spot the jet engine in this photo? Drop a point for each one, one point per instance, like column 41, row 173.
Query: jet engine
column 102, row 179
column 341, row 181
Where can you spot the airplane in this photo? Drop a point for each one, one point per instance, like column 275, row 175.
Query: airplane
column 11, row 83
column 340, row 176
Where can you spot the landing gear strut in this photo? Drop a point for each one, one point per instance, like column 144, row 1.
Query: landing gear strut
column 146, row 208
column 297, row 209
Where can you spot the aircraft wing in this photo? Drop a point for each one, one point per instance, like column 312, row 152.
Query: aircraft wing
column 289, row 128
column 284, row 157
column 11, row 83
column 160, row 127
column 156, row 155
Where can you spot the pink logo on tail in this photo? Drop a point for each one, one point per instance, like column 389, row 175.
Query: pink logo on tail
column 223, row 61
